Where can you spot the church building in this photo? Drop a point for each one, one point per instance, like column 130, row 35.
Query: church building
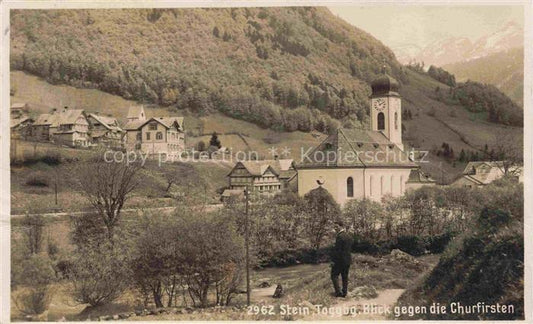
column 364, row 163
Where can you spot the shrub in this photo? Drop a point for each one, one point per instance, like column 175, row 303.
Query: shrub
column 291, row 257
column 64, row 268
column 35, row 274
column 37, row 180
column 33, row 226
column 484, row 265
column 411, row 244
column 100, row 273
column 438, row 243
column 210, row 252
column 51, row 158
column 363, row 246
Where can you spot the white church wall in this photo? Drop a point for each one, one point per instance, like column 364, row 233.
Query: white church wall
column 370, row 183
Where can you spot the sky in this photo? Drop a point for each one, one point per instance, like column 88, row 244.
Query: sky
column 408, row 25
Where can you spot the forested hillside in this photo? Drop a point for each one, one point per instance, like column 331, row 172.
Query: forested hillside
column 250, row 63
column 505, row 70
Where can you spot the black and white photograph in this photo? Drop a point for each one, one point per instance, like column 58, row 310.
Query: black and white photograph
column 223, row 161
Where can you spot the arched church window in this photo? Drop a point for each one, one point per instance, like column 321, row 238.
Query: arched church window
column 371, row 185
column 381, row 121
column 382, row 185
column 401, row 185
column 349, row 187
column 392, row 185
column 396, row 120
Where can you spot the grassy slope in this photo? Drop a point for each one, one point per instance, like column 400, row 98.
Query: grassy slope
column 152, row 193
column 505, row 70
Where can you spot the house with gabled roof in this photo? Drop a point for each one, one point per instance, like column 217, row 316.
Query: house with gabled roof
column 64, row 126
column 21, row 127
column 105, row 131
column 263, row 176
column 18, row 109
column 156, row 135
column 481, row 173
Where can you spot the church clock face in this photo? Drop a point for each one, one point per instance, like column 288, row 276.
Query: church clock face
column 379, row 104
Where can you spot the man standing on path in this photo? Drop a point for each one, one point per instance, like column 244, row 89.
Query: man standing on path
column 342, row 258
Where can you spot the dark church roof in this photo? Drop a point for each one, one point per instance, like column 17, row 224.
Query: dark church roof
column 385, row 85
column 356, row 147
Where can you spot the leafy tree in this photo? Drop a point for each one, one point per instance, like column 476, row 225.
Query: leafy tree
column 364, row 215
column 155, row 262
column 211, row 253
column 320, row 211
column 214, row 141
column 100, row 273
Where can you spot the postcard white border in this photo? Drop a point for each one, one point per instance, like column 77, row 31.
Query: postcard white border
column 6, row 5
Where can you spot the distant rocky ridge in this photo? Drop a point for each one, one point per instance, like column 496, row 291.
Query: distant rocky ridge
column 452, row 50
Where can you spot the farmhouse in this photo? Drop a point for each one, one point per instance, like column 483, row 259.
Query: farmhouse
column 20, row 127
column 264, row 177
column 65, row 126
column 365, row 163
column 105, row 131
column 18, row 109
column 156, row 135
column 481, row 173
column 20, row 122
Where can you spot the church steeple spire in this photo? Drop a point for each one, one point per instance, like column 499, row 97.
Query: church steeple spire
column 385, row 109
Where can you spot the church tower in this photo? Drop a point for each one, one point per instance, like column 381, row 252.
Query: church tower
column 386, row 109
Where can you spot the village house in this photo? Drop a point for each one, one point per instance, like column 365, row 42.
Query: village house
column 105, row 131
column 65, row 126
column 20, row 122
column 21, row 127
column 365, row 163
column 154, row 136
column 481, row 173
column 18, row 109
column 266, row 177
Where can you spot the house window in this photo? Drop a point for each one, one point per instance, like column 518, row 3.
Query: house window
column 153, row 126
column 349, row 187
column 159, row 135
column 381, row 121
column 148, row 136
column 396, row 120
column 139, row 136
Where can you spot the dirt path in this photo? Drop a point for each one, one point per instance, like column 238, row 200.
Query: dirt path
column 371, row 309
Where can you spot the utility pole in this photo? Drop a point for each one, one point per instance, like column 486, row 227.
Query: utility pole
column 247, row 244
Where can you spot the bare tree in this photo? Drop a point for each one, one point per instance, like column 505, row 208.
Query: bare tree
column 33, row 231
column 107, row 186
column 508, row 148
